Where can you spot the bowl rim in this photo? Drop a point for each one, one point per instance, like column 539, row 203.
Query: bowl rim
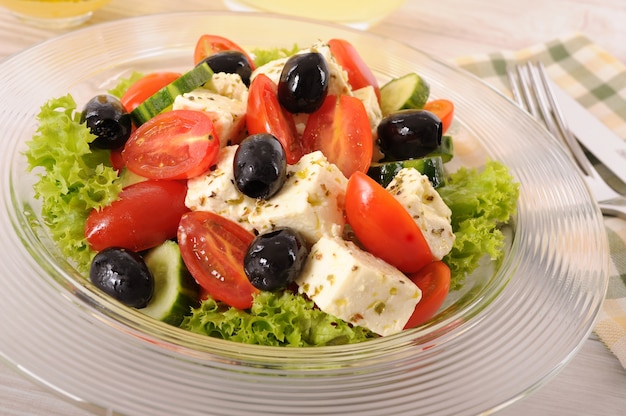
column 415, row 345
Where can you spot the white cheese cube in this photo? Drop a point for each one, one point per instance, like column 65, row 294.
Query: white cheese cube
column 215, row 191
column 228, row 85
column 338, row 77
column 415, row 192
column 311, row 200
column 367, row 95
column 228, row 114
column 356, row 286
column 272, row 70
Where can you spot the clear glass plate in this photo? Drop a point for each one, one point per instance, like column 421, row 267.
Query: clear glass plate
column 509, row 331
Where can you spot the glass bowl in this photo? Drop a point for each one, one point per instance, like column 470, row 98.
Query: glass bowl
column 506, row 333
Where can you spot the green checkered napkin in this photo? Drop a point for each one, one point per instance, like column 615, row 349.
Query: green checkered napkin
column 598, row 82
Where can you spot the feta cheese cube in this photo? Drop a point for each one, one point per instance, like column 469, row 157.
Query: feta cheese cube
column 415, row 192
column 311, row 200
column 356, row 286
column 228, row 85
column 215, row 191
column 272, row 70
column 367, row 95
column 338, row 77
column 224, row 101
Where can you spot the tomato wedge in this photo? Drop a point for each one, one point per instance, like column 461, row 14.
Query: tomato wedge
column 115, row 157
column 383, row 226
column 207, row 45
column 444, row 109
column 266, row 115
column 341, row 129
column 213, row 249
column 359, row 74
column 178, row 144
column 145, row 87
column 434, row 281
column 145, row 214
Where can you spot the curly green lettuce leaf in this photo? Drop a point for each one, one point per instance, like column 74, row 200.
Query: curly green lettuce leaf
column 275, row 319
column 124, row 83
column 481, row 201
column 263, row 56
column 73, row 178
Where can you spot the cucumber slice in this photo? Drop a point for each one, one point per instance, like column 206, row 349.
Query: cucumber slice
column 445, row 149
column 432, row 167
column 175, row 291
column 164, row 98
column 407, row 92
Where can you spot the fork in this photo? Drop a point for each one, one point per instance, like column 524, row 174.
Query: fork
column 533, row 93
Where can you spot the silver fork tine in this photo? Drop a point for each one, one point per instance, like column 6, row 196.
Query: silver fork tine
column 521, row 94
column 532, row 91
column 566, row 133
column 530, row 85
column 546, row 107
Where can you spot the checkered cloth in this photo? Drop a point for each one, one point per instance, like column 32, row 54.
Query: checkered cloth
column 598, row 82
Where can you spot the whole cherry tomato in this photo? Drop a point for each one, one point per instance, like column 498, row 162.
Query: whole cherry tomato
column 383, row 226
column 145, row 215
column 434, row 281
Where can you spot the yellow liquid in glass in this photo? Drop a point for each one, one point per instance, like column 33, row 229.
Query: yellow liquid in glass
column 52, row 9
column 351, row 12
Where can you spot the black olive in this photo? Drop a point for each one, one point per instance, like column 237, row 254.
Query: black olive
column 303, row 83
column 260, row 166
column 232, row 62
column 108, row 121
column 275, row 259
column 122, row 274
column 409, row 134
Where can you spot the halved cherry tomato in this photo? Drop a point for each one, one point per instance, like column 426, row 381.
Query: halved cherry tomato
column 145, row 87
column 383, row 226
column 208, row 45
column 434, row 281
column 145, row 214
column 117, row 162
column 213, row 249
column 341, row 129
column 444, row 109
column 359, row 74
column 266, row 115
column 177, row 144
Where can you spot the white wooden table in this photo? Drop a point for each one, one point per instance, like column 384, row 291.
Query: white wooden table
column 593, row 383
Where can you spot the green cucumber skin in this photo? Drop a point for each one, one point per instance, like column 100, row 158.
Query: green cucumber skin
column 176, row 292
column 445, row 150
column 432, row 167
column 407, row 92
column 165, row 97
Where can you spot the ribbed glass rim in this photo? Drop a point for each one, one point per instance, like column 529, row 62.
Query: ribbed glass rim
column 529, row 321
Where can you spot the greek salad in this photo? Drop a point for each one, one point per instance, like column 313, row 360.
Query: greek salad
column 273, row 197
